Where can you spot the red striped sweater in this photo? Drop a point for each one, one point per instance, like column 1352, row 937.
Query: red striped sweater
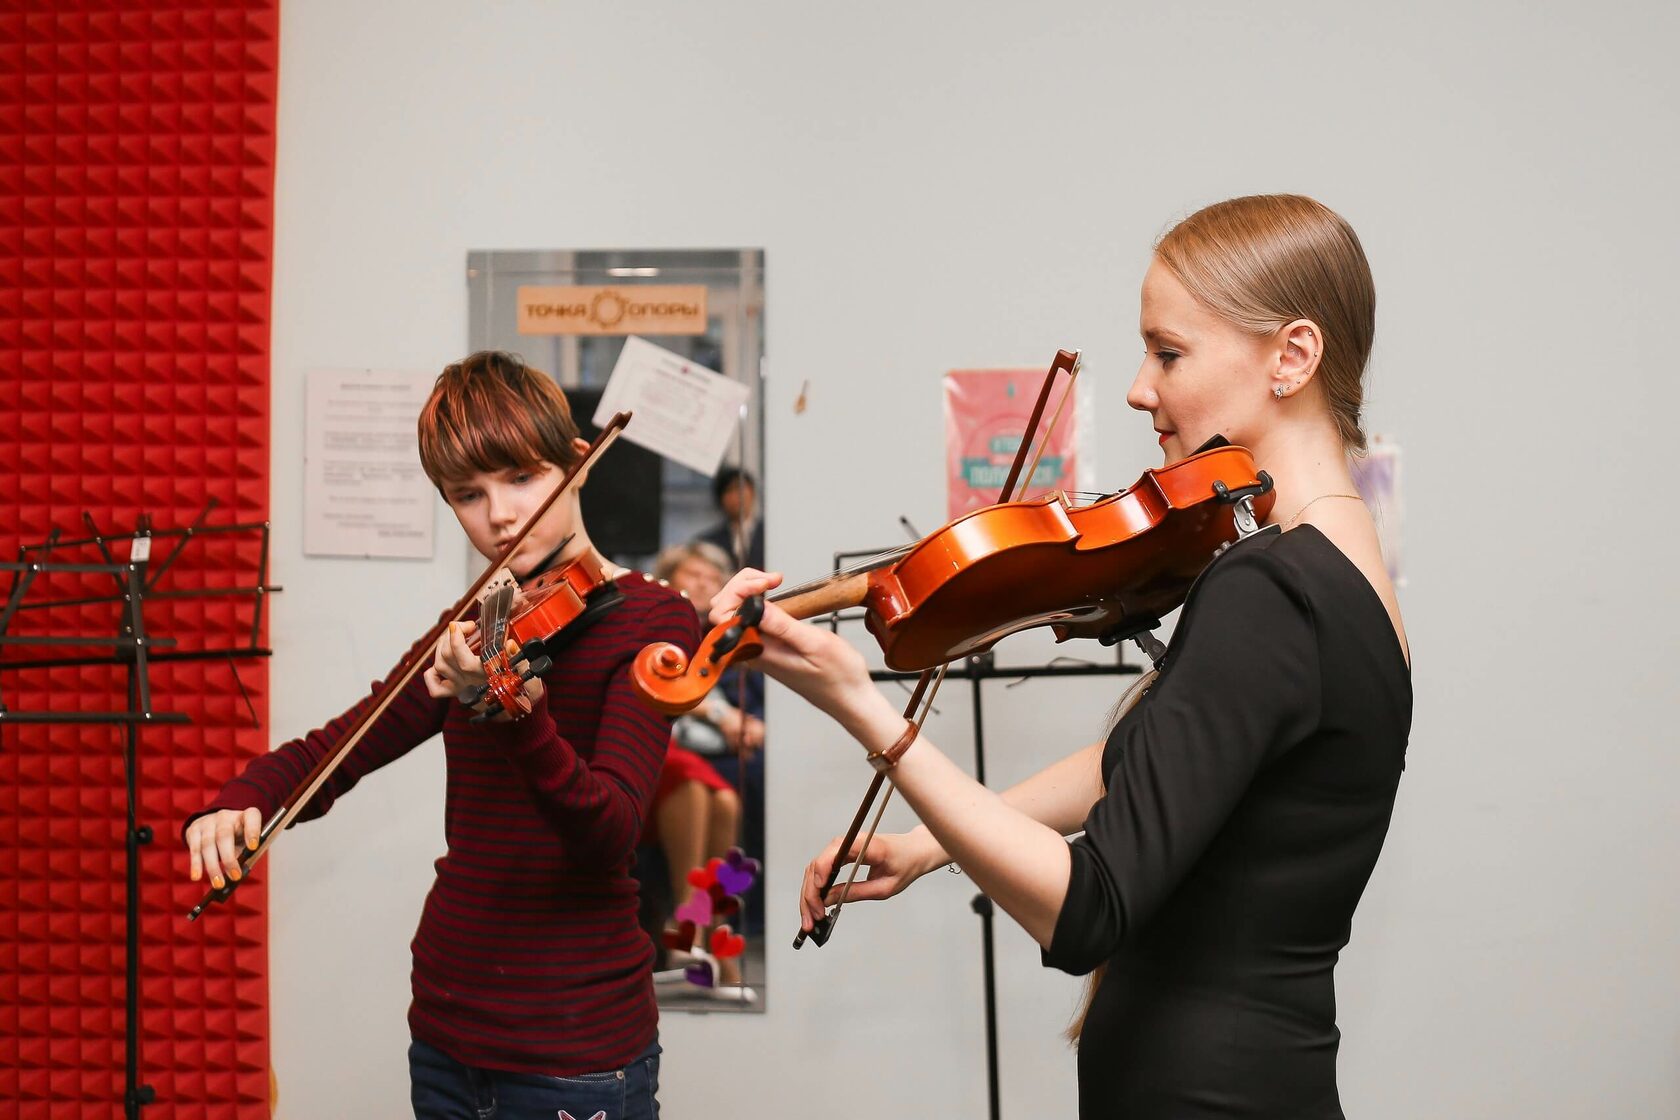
column 528, row 956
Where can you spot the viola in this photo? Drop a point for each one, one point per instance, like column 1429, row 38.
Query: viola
column 1107, row 569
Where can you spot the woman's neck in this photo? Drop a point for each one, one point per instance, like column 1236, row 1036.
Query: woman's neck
column 1306, row 462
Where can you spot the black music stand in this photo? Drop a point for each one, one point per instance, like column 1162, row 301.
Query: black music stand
column 133, row 648
column 977, row 670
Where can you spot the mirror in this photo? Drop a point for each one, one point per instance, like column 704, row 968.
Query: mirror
column 570, row 313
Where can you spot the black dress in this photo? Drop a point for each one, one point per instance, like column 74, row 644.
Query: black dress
column 1248, row 794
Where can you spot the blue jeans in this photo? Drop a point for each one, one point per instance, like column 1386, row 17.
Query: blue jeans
column 444, row 1089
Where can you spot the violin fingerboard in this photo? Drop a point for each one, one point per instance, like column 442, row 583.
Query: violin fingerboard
column 495, row 604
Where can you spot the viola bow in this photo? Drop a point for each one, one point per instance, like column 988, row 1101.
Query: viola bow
column 927, row 685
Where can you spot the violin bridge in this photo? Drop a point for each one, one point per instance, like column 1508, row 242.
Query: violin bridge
column 501, row 580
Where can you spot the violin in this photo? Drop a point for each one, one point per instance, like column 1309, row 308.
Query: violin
column 537, row 618
column 577, row 588
column 1108, row 569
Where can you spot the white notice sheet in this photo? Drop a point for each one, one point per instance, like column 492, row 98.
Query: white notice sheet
column 682, row 411
column 364, row 492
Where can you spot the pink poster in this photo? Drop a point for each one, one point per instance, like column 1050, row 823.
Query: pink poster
column 1376, row 475
column 986, row 413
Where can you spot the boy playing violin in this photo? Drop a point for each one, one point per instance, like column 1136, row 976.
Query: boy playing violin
column 531, row 977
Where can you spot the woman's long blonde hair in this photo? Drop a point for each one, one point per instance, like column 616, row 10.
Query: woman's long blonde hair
column 1268, row 259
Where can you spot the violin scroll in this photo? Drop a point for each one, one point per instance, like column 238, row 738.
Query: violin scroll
column 504, row 688
column 673, row 683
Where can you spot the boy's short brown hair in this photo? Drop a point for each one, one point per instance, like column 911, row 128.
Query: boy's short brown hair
column 490, row 411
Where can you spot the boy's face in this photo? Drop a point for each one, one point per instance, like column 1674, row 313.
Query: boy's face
column 492, row 506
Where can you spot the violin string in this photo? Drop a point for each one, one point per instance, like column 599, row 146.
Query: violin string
column 494, row 619
column 838, row 574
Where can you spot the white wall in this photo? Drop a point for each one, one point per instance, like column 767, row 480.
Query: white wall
column 949, row 185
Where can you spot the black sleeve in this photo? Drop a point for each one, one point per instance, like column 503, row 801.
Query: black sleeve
column 1241, row 683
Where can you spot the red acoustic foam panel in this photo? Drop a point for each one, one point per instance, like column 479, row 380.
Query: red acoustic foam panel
column 136, row 228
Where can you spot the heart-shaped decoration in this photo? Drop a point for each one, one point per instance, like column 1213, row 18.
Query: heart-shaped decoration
column 737, row 859
column 681, row 938
column 726, row 943
column 701, row 877
column 723, row 905
column 698, row 909
column 699, row 975
column 734, row 880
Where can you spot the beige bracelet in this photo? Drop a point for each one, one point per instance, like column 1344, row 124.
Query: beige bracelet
column 887, row 759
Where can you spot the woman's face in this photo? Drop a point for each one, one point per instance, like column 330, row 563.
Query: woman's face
column 698, row 580
column 1201, row 376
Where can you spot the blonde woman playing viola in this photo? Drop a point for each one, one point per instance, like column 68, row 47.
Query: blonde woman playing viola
column 1234, row 814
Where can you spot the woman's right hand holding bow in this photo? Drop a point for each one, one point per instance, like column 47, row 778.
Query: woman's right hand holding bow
column 895, row 861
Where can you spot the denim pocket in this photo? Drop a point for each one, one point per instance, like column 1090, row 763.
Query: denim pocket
column 590, row 1096
column 641, row 1100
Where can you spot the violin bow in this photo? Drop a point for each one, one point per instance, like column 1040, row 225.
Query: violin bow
column 399, row 679
column 1070, row 362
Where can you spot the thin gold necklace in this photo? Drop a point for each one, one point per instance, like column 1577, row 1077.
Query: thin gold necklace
column 1291, row 522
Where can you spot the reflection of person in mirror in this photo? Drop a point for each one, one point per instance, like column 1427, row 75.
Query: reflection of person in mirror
column 696, row 813
column 740, row 532
column 532, row 978
column 734, row 711
column 698, row 570
column 1234, row 815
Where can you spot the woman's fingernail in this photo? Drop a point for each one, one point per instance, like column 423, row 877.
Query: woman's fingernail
column 217, row 882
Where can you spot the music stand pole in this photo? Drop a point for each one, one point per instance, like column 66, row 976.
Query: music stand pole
column 978, row 667
column 135, row 1095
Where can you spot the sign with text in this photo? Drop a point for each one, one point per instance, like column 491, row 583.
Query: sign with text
column 634, row 309
column 986, row 413
column 364, row 492
column 681, row 410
